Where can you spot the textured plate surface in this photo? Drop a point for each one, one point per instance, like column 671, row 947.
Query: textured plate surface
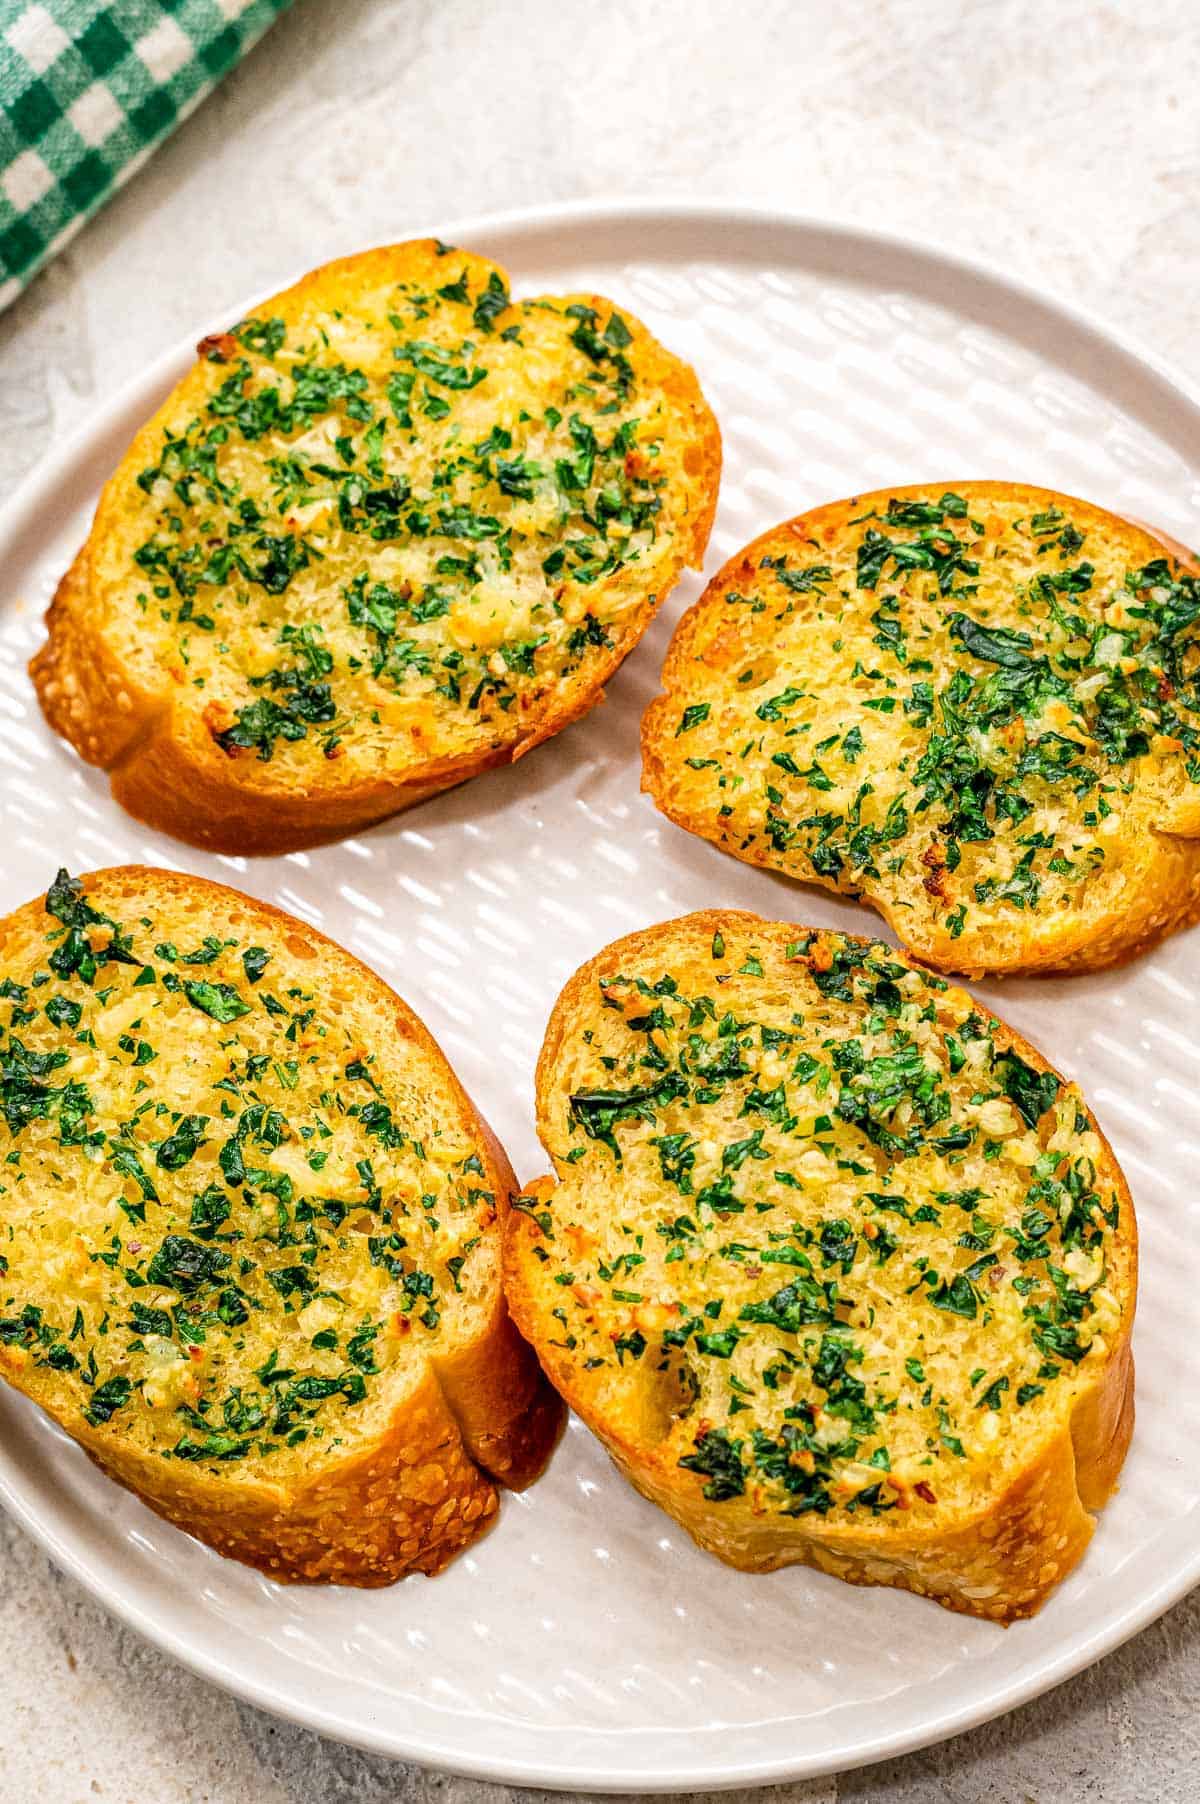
column 585, row 1643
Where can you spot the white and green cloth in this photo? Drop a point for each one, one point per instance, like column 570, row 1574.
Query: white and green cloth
column 87, row 89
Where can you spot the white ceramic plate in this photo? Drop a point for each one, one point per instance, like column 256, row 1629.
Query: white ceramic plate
column 586, row 1643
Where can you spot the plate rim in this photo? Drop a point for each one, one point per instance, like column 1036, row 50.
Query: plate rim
column 19, row 517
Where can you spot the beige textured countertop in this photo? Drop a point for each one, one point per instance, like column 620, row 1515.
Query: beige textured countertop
column 1058, row 138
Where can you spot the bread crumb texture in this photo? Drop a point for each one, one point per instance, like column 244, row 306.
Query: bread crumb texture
column 838, row 1267
column 394, row 529
column 247, row 1221
column 978, row 710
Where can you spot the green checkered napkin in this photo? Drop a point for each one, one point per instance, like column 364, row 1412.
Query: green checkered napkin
column 87, row 89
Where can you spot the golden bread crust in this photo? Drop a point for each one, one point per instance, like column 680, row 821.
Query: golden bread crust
column 996, row 1554
column 409, row 1503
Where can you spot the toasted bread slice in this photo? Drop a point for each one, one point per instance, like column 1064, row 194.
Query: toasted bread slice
column 393, row 531
column 977, row 710
column 837, row 1268
column 250, row 1233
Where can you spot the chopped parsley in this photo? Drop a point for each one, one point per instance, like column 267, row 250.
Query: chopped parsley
column 762, row 1162
column 972, row 758
column 204, row 1238
column 527, row 474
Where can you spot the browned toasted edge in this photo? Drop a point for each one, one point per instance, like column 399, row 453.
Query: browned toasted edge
column 999, row 1561
column 183, row 785
column 483, row 1416
column 1164, row 902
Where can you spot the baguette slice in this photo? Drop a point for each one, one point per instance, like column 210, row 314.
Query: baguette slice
column 977, row 710
column 836, row 1267
column 250, row 1233
column 391, row 532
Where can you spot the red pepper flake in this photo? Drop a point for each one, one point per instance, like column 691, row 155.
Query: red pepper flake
column 217, row 347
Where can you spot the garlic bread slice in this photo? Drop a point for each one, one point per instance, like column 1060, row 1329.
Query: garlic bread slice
column 977, row 709
column 250, row 1233
column 394, row 530
column 834, row 1264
